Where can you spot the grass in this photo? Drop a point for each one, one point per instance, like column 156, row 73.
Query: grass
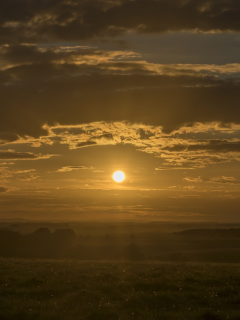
column 69, row 289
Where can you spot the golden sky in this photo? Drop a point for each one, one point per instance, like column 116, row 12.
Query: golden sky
column 148, row 87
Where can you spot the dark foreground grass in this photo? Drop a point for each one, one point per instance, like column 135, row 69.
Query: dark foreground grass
column 57, row 289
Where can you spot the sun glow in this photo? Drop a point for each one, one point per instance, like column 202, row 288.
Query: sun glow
column 118, row 176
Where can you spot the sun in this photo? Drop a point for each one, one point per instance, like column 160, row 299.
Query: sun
column 118, row 176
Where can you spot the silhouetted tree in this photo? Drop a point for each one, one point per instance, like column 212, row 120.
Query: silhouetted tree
column 42, row 232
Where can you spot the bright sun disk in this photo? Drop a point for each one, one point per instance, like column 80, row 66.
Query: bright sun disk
column 118, row 176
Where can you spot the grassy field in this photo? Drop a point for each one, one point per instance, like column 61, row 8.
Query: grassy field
column 69, row 289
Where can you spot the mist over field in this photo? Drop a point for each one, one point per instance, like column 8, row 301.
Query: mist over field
column 130, row 241
column 113, row 271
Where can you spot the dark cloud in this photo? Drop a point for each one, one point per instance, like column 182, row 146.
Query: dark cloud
column 176, row 148
column 25, row 21
column 2, row 189
column 217, row 147
column 33, row 54
column 107, row 136
column 211, row 145
column 6, row 137
column 48, row 95
column 145, row 135
column 9, row 155
column 86, row 144
column 62, row 85
column 12, row 155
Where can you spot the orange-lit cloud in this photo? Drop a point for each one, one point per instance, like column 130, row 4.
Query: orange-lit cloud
column 176, row 150
column 71, row 168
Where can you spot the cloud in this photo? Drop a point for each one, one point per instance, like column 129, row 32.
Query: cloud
column 125, row 89
column 133, row 98
column 77, row 20
column 21, row 175
column 71, row 168
column 2, row 189
column 13, row 155
column 223, row 179
column 189, row 187
column 86, row 144
column 156, row 108
column 190, row 179
column 208, row 145
column 178, row 150
column 6, row 163
column 82, row 57
column 172, row 168
column 7, row 137
column 9, row 155
column 25, row 175
column 89, row 59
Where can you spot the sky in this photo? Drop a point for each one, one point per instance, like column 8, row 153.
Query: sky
column 148, row 87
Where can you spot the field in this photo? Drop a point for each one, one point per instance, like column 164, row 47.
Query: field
column 71, row 289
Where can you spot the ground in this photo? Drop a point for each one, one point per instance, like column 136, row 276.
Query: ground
column 71, row 289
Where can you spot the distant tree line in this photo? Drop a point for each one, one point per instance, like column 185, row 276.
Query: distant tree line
column 62, row 243
column 40, row 243
column 223, row 233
